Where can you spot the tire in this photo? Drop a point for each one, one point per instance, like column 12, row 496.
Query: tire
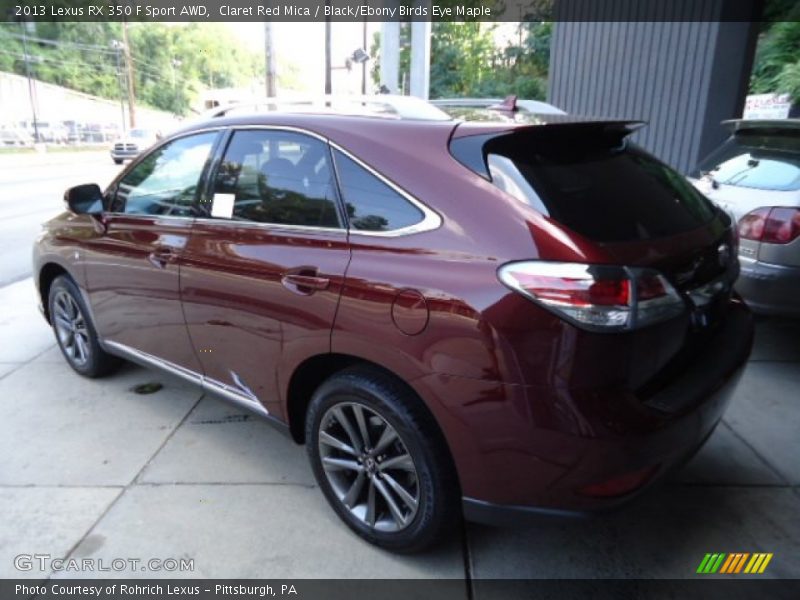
column 75, row 332
column 117, row 161
column 416, row 461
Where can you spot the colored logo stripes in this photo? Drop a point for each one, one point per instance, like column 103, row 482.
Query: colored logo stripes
column 734, row 563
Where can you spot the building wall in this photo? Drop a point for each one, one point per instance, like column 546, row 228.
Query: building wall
column 683, row 77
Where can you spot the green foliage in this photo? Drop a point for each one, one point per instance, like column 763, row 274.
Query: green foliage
column 171, row 63
column 776, row 62
column 465, row 62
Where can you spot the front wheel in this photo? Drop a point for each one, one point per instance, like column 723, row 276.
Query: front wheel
column 117, row 161
column 75, row 332
column 381, row 461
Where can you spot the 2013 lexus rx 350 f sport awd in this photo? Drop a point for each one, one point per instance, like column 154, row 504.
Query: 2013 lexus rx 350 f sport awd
column 487, row 319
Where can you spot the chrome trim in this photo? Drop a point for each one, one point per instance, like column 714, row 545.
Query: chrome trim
column 431, row 219
column 210, row 385
column 234, row 396
column 279, row 226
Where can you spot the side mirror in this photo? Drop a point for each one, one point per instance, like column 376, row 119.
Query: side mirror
column 84, row 199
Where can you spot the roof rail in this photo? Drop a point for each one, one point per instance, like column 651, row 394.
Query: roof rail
column 383, row 105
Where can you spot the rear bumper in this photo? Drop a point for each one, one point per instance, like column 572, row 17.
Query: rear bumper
column 525, row 452
column 770, row 289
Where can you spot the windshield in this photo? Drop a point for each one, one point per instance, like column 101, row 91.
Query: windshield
column 141, row 133
column 756, row 160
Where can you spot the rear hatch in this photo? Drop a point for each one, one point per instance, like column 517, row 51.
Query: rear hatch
column 598, row 187
column 587, row 177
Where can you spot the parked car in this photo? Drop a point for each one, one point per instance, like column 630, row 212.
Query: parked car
column 131, row 144
column 452, row 322
column 15, row 136
column 494, row 109
column 45, row 132
column 755, row 177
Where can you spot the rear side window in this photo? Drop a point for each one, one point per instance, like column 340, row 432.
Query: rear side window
column 277, row 177
column 371, row 204
column 755, row 160
column 597, row 185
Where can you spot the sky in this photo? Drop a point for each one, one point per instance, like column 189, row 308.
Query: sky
column 303, row 45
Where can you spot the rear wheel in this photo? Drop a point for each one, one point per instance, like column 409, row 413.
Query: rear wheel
column 75, row 332
column 380, row 461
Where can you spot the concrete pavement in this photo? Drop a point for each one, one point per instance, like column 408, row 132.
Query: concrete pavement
column 91, row 469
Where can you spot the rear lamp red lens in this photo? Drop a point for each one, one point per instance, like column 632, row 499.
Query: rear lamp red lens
column 619, row 485
column 778, row 225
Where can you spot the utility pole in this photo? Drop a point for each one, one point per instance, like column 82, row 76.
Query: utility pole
column 269, row 56
column 328, row 86
column 175, row 64
column 126, row 48
column 364, row 64
column 30, row 82
column 117, row 46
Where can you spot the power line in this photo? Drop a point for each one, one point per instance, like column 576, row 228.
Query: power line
column 38, row 40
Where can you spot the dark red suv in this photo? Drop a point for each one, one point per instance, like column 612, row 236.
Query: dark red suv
column 489, row 320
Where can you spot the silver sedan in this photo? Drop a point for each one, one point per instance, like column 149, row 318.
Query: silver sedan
column 755, row 176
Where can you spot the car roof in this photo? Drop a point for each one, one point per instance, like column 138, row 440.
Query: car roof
column 737, row 125
column 531, row 106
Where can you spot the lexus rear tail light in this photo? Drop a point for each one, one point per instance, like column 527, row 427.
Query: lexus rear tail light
column 777, row 225
column 596, row 297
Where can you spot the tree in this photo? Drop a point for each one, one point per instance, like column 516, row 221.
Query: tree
column 172, row 64
column 465, row 61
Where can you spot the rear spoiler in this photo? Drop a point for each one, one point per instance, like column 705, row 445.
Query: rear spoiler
column 468, row 144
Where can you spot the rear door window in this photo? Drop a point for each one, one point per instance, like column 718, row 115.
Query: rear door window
column 755, row 160
column 278, row 177
column 597, row 185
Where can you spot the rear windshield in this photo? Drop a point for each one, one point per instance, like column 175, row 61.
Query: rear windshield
column 756, row 160
column 598, row 186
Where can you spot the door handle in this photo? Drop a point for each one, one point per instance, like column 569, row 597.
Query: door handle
column 305, row 281
column 161, row 257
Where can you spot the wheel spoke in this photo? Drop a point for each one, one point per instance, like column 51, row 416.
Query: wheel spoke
column 371, row 504
column 355, row 490
column 348, row 428
column 362, row 425
column 402, row 462
column 327, row 439
column 398, row 489
column 72, row 308
column 81, row 349
column 387, row 437
column 62, row 320
column 339, row 464
column 397, row 514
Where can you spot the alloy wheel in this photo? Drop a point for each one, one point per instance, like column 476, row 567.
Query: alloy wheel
column 71, row 328
column 369, row 467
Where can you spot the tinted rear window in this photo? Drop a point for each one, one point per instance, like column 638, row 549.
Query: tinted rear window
column 597, row 185
column 756, row 160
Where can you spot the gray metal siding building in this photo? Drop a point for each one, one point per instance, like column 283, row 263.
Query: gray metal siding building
column 681, row 76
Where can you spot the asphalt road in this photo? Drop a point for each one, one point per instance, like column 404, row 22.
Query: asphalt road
column 31, row 192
